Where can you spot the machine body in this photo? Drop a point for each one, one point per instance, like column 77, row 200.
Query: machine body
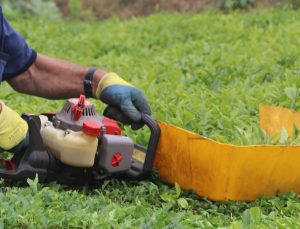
column 77, row 146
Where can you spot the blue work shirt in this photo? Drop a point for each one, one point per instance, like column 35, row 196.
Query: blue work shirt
column 15, row 55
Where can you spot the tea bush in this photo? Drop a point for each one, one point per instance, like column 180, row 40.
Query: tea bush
column 207, row 73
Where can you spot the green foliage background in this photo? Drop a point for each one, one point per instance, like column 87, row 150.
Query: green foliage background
column 204, row 72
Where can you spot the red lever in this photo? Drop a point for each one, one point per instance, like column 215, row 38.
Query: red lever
column 78, row 108
column 116, row 159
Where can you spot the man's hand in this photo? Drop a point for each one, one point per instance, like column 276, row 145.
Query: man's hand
column 125, row 102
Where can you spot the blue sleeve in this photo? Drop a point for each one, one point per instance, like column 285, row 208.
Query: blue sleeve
column 15, row 55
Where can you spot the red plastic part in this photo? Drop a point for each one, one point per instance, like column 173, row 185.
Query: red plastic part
column 111, row 126
column 91, row 127
column 8, row 163
column 78, row 108
column 116, row 159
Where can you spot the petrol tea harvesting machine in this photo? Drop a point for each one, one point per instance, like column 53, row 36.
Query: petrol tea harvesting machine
column 76, row 146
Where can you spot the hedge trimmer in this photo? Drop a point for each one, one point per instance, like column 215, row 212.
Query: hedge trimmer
column 77, row 146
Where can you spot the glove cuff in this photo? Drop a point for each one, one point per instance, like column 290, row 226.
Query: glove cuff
column 108, row 80
column 13, row 128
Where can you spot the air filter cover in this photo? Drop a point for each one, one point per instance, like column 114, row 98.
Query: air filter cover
column 65, row 118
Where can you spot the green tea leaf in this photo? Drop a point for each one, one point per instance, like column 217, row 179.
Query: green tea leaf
column 33, row 183
column 182, row 202
column 178, row 190
column 284, row 136
column 291, row 92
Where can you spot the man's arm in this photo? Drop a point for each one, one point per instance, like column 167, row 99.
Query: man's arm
column 58, row 79
column 54, row 79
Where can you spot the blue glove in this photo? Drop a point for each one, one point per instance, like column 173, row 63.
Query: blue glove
column 125, row 102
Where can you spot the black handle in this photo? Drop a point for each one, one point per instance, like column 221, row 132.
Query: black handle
column 136, row 171
column 34, row 160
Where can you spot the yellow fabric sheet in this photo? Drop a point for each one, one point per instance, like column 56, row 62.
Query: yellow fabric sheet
column 273, row 119
column 223, row 171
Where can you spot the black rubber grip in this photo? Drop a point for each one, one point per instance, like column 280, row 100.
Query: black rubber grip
column 140, row 173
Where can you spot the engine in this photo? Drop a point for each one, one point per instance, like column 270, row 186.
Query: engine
column 79, row 137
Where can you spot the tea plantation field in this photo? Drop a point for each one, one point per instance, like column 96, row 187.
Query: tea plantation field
column 207, row 73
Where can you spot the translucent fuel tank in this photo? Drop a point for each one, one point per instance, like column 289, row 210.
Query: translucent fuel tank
column 70, row 147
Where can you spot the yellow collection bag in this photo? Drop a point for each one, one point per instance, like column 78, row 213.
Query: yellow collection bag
column 274, row 119
column 227, row 172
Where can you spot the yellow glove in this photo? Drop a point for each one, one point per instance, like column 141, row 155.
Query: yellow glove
column 13, row 128
column 110, row 79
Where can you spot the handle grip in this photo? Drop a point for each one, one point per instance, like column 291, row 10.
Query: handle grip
column 138, row 170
